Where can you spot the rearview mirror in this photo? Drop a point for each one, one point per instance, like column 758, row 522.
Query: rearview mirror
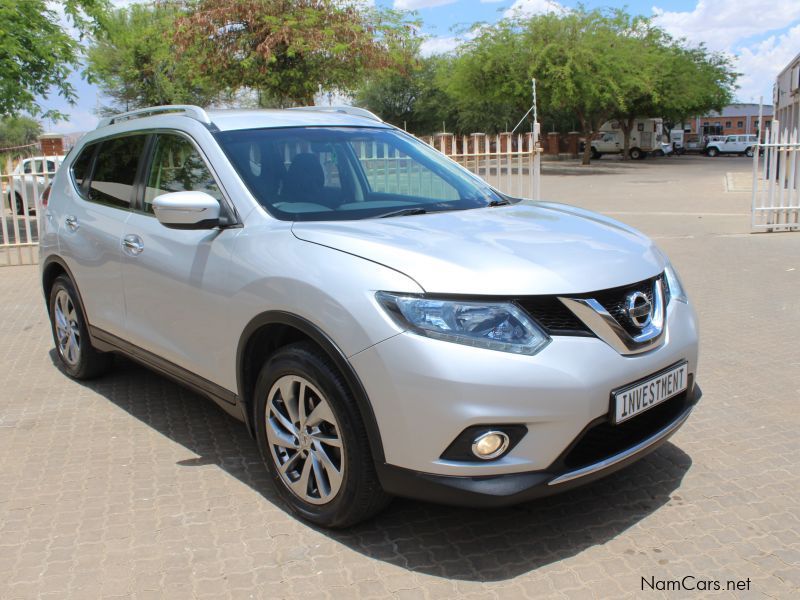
column 187, row 210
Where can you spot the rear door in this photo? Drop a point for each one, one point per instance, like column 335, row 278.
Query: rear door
column 91, row 221
column 175, row 281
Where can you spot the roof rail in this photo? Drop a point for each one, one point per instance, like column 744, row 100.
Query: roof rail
column 194, row 112
column 349, row 110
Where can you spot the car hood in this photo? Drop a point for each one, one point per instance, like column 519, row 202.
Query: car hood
column 522, row 249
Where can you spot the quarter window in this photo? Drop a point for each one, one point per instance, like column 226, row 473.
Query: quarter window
column 82, row 164
column 115, row 171
column 177, row 167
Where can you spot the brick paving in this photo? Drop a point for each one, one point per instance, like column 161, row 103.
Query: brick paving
column 133, row 487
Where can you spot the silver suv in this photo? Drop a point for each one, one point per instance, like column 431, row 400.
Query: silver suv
column 382, row 320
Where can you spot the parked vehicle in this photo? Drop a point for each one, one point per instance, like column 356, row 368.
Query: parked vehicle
column 29, row 178
column 732, row 144
column 646, row 137
column 382, row 320
column 666, row 149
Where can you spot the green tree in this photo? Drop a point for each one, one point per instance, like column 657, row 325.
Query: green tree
column 135, row 63
column 681, row 82
column 37, row 54
column 16, row 132
column 488, row 81
column 287, row 50
column 410, row 97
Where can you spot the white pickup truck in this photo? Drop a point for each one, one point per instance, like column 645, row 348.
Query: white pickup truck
column 732, row 144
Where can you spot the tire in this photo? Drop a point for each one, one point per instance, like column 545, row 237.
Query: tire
column 76, row 355
column 19, row 206
column 595, row 154
column 749, row 152
column 712, row 152
column 635, row 153
column 343, row 488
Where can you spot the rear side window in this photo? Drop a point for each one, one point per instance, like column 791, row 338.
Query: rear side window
column 82, row 164
column 115, row 171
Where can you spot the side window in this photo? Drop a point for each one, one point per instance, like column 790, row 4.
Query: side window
column 115, row 171
column 731, row 139
column 27, row 167
column 82, row 164
column 177, row 167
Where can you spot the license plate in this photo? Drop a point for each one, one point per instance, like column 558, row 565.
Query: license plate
column 636, row 398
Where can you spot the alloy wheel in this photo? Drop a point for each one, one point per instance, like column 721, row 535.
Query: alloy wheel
column 67, row 328
column 305, row 440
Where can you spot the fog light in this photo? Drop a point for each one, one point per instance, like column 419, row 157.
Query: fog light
column 490, row 445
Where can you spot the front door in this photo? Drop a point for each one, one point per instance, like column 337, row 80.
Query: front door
column 175, row 281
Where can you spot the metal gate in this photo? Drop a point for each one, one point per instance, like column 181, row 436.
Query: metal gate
column 776, row 181
column 20, row 208
column 509, row 163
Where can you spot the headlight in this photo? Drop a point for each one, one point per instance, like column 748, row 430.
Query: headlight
column 491, row 325
column 676, row 291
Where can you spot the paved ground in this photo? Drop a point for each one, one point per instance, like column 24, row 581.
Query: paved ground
column 132, row 487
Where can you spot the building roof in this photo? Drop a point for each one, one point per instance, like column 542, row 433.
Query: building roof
column 741, row 109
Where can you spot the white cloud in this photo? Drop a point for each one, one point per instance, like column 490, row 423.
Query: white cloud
column 439, row 45
column 720, row 24
column 727, row 25
column 529, row 8
column 416, row 4
column 760, row 63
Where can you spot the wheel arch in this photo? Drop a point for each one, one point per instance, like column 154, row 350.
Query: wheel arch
column 53, row 267
column 271, row 330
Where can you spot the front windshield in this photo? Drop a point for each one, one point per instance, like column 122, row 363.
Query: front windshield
column 344, row 173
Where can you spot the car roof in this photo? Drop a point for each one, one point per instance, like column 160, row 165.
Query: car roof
column 228, row 120
column 233, row 119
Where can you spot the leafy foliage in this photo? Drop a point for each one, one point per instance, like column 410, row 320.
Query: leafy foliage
column 37, row 54
column 410, row 97
column 135, row 63
column 18, row 131
column 592, row 64
column 288, row 49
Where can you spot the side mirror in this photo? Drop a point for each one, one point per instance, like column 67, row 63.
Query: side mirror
column 187, row 210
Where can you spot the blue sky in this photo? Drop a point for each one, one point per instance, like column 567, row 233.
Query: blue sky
column 761, row 36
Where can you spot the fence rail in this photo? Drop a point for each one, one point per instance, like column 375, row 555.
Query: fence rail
column 776, row 181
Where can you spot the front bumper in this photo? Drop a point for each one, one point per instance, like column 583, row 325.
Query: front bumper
column 425, row 392
column 514, row 488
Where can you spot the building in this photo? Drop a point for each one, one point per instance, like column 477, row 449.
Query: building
column 786, row 96
column 734, row 119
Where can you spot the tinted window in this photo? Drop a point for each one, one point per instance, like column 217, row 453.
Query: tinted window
column 115, row 170
column 177, row 167
column 82, row 164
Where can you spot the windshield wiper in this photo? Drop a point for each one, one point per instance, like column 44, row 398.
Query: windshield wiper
column 403, row 212
column 502, row 202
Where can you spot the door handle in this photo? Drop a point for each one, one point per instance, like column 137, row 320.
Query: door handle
column 133, row 244
column 72, row 223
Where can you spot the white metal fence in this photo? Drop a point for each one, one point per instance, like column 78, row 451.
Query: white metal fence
column 510, row 163
column 22, row 185
column 776, row 181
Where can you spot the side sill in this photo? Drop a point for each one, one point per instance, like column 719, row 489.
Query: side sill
column 108, row 342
